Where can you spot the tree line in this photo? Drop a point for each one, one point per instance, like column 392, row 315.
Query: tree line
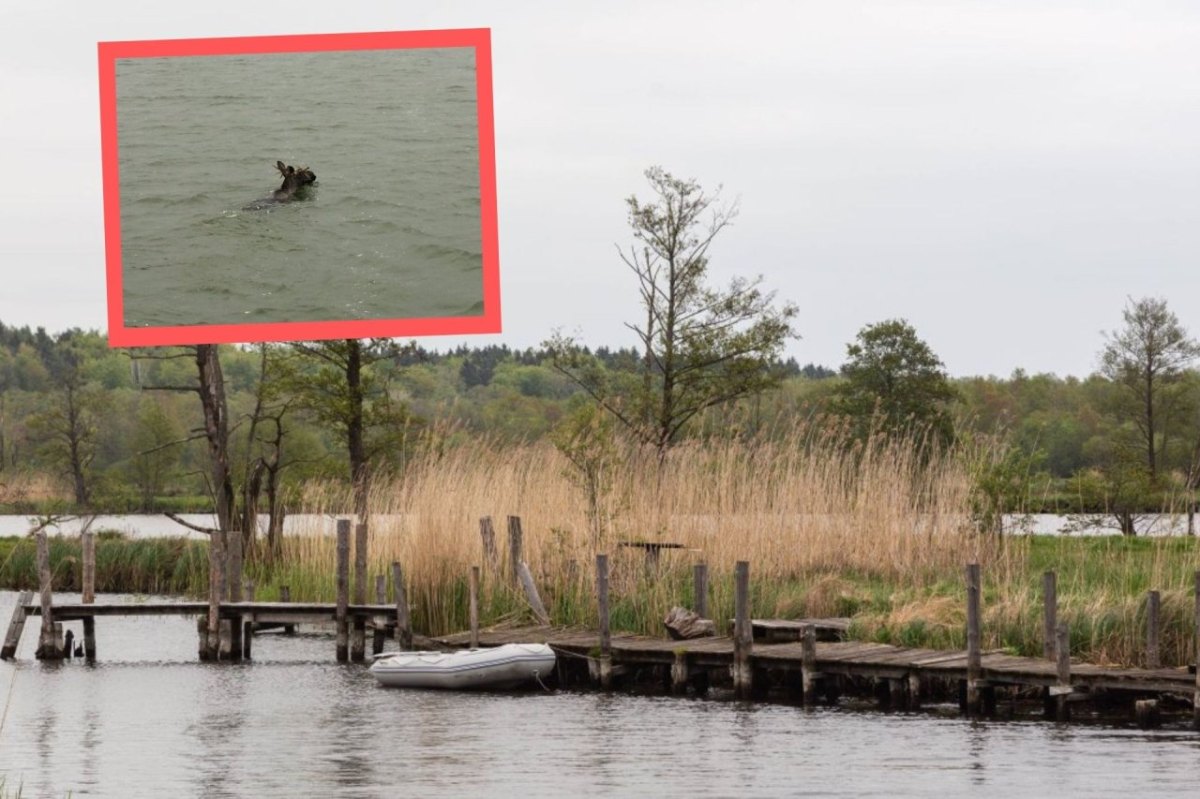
column 244, row 426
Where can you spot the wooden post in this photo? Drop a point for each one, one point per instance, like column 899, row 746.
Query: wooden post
column 1153, row 660
column 1050, row 603
column 88, row 545
column 743, row 676
column 1196, row 693
column 914, row 690
column 679, row 672
column 47, row 650
column 216, row 593
column 403, row 622
column 1146, row 712
column 487, row 534
column 1062, row 691
column 285, row 595
column 515, row 548
column 202, row 635
column 358, row 638
column 808, row 664
column 343, row 589
column 15, row 626
column 233, row 541
column 700, row 589
column 974, row 640
column 474, row 607
column 605, row 637
column 248, row 622
column 531, row 593
column 380, row 630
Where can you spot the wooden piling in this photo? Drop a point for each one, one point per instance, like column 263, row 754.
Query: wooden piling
column 487, row 535
column 248, row 622
column 216, row 593
column 914, row 690
column 88, row 545
column 679, row 672
column 47, row 649
column 358, row 637
column 1146, row 713
column 515, row 547
column 343, row 590
column 233, row 542
column 531, row 593
column 700, row 590
column 808, row 664
column 974, row 641
column 404, row 635
column 202, row 635
column 474, row 607
column 379, row 632
column 285, row 595
column 15, row 626
column 605, row 664
column 1153, row 660
column 1050, row 613
column 1196, row 693
column 1062, row 691
column 743, row 675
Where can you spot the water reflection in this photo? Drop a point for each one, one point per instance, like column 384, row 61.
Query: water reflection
column 293, row 723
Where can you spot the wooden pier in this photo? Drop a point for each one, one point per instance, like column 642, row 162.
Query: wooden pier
column 806, row 658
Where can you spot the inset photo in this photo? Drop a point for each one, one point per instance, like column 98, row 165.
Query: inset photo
column 299, row 187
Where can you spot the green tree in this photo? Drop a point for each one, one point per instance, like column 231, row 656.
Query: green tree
column 1147, row 358
column 893, row 379
column 700, row 346
column 156, row 442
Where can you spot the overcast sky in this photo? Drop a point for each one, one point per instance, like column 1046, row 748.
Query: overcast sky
column 1001, row 175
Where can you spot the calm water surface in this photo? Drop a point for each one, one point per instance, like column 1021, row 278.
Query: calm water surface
column 150, row 721
column 392, row 230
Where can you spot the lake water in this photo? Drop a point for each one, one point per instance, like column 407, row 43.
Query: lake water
column 148, row 720
column 392, row 229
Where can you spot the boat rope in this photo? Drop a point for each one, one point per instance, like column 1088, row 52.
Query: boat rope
column 538, row 677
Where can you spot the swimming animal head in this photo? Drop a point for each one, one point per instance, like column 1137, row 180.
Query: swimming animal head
column 294, row 179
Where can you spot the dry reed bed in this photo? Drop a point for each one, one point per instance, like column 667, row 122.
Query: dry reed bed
column 802, row 511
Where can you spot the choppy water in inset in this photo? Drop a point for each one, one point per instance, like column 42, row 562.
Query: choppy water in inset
column 149, row 720
column 392, row 230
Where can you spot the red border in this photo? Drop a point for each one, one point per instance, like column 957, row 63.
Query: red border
column 121, row 336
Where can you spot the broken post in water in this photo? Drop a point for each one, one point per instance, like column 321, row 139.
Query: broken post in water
column 605, row 663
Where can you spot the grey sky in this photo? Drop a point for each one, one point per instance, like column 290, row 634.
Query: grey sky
column 1003, row 175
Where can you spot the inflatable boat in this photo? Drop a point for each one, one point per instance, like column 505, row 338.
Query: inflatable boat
column 505, row 666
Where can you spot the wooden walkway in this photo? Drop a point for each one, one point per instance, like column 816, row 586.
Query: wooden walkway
column 846, row 658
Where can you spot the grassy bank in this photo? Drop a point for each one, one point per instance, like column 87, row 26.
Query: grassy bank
column 878, row 533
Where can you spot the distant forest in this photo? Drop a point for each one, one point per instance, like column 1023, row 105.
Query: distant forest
column 117, row 429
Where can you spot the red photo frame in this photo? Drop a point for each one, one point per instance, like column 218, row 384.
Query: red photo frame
column 119, row 335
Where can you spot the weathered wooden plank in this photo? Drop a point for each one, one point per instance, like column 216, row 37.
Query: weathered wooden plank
column 487, row 535
column 12, row 638
column 516, row 551
column 531, row 593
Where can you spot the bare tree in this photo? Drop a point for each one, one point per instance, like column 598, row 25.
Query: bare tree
column 701, row 346
column 1147, row 358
